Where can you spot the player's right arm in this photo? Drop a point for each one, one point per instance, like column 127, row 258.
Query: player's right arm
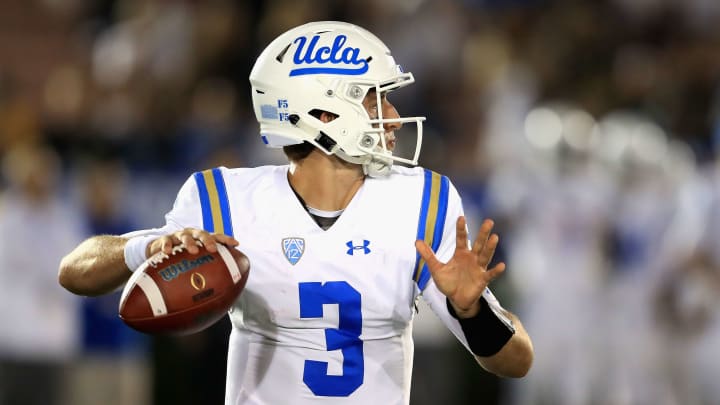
column 97, row 266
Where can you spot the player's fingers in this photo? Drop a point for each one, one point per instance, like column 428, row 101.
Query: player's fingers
column 155, row 246
column 166, row 244
column 210, row 241
column 488, row 251
column 428, row 255
column 206, row 240
column 482, row 235
column 188, row 238
column 225, row 239
column 496, row 271
column 461, row 234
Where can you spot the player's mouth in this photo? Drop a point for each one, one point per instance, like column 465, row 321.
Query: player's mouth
column 390, row 142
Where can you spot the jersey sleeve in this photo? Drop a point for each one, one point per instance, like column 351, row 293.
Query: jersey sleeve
column 439, row 210
column 185, row 213
column 430, row 294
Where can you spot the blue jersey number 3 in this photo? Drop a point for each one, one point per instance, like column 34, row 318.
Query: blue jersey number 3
column 345, row 338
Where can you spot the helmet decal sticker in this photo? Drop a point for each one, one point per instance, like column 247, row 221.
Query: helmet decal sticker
column 335, row 55
column 283, row 114
column 268, row 111
column 278, row 112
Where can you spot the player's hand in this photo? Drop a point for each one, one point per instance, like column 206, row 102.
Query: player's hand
column 464, row 278
column 189, row 237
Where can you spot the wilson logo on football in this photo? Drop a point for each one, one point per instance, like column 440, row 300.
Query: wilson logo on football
column 174, row 270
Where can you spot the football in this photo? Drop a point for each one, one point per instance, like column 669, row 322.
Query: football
column 183, row 293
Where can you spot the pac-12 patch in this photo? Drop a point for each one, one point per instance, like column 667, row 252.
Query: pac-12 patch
column 293, row 248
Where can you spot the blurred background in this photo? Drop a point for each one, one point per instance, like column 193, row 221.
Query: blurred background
column 589, row 130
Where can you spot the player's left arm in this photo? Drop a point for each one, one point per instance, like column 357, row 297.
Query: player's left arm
column 516, row 356
column 495, row 336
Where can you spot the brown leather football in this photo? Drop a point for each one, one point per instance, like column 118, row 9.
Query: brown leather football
column 182, row 293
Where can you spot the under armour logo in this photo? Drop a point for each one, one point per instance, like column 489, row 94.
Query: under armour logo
column 352, row 247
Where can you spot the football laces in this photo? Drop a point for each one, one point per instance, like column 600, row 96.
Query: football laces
column 159, row 257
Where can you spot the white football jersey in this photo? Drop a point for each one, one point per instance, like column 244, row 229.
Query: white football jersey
column 326, row 315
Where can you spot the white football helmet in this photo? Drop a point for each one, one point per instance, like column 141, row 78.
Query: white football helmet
column 329, row 66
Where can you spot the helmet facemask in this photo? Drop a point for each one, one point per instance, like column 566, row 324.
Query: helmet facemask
column 370, row 146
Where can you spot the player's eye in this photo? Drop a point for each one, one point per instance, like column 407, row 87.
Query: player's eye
column 373, row 111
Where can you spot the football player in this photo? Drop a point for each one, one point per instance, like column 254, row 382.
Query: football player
column 342, row 241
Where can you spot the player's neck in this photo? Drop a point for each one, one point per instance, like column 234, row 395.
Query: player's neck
column 324, row 182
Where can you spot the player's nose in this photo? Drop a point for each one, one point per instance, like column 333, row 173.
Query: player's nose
column 389, row 112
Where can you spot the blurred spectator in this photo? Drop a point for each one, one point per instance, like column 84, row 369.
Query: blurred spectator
column 113, row 368
column 41, row 332
column 685, row 299
column 687, row 324
column 18, row 120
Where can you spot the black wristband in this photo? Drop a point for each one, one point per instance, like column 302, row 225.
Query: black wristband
column 486, row 333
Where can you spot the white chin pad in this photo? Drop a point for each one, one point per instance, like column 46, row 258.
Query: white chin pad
column 402, row 143
column 378, row 167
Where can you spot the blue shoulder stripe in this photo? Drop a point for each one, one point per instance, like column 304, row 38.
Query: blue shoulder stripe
column 204, row 202
column 431, row 223
column 224, row 201
column 214, row 201
column 442, row 212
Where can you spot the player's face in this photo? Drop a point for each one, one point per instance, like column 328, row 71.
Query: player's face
column 388, row 111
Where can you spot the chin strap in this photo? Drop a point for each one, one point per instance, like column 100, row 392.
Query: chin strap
column 378, row 167
column 373, row 166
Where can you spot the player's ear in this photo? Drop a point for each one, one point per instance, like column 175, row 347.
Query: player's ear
column 327, row 116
